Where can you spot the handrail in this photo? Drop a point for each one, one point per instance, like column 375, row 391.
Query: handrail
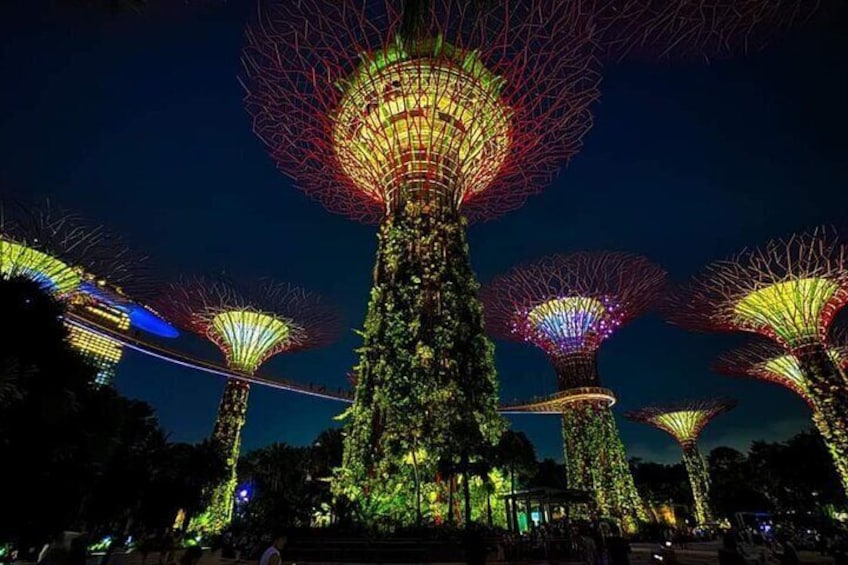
column 183, row 360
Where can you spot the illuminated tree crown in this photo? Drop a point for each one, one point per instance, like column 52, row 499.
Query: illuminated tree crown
column 788, row 290
column 249, row 323
column 683, row 421
column 59, row 251
column 476, row 107
column 767, row 361
column 570, row 303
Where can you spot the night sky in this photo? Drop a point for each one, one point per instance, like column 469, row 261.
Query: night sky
column 137, row 122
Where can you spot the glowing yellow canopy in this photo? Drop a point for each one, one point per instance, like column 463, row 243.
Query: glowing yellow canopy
column 424, row 116
column 52, row 274
column 684, row 425
column 791, row 309
column 248, row 338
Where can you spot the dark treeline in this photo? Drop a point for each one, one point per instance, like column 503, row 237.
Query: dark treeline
column 76, row 456
column 793, row 479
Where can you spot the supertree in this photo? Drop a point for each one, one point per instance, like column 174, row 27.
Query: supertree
column 767, row 361
column 465, row 116
column 788, row 290
column 249, row 323
column 567, row 305
column 79, row 264
column 684, row 422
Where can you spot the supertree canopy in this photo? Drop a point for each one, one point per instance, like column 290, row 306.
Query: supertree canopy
column 478, row 108
column 789, row 290
column 684, row 423
column 465, row 115
column 76, row 263
column 769, row 362
column 567, row 305
column 249, row 323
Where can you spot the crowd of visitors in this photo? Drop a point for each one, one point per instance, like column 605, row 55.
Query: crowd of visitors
column 593, row 543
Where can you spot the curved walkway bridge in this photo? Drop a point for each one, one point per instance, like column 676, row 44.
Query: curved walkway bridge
column 534, row 406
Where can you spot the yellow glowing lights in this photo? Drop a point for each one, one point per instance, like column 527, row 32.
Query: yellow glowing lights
column 431, row 121
column 561, row 401
column 788, row 368
column 54, row 275
column 248, row 337
column 102, row 352
column 113, row 317
column 684, row 425
column 791, row 309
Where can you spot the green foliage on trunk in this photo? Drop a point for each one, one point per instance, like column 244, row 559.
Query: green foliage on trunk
column 596, row 462
column 426, row 384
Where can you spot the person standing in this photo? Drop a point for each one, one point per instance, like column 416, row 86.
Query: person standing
column 618, row 548
column 272, row 554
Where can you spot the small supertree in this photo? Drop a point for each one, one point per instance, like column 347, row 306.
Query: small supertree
column 684, row 422
column 249, row 323
column 767, row 361
column 68, row 257
column 466, row 115
column 788, row 290
column 567, row 305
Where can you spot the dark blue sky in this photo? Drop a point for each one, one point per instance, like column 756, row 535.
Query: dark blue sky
column 137, row 122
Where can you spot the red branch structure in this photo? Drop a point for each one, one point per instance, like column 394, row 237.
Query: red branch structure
column 535, row 57
column 788, row 290
column 693, row 28
column 89, row 250
column 766, row 361
column 194, row 302
column 249, row 323
column 569, row 304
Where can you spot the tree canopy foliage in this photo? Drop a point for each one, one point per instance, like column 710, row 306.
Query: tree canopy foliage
column 76, row 455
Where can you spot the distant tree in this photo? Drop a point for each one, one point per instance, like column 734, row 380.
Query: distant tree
column 548, row 473
column 122, row 445
column 796, row 476
column 515, row 453
column 327, row 451
column 78, row 456
column 42, row 436
column 282, row 496
column 735, row 485
column 182, row 475
column 658, row 483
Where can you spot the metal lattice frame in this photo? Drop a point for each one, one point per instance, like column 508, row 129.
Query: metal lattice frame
column 788, row 290
column 694, row 28
column 683, row 421
column 485, row 103
column 250, row 322
column 60, row 250
column 766, row 361
column 566, row 304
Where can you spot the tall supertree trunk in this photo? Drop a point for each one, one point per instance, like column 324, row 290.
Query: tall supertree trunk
column 699, row 480
column 829, row 402
column 426, row 366
column 596, row 462
column 232, row 413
